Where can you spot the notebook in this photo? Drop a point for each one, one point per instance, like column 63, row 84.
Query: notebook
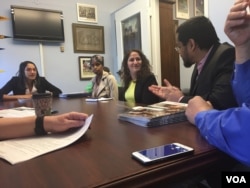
column 74, row 95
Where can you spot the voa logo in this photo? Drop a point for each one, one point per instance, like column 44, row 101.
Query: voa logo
column 236, row 179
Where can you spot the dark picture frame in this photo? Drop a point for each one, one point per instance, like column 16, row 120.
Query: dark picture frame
column 85, row 71
column 86, row 13
column 131, row 33
column 88, row 38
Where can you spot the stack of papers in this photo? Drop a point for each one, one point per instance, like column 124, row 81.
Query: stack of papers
column 22, row 149
column 17, row 112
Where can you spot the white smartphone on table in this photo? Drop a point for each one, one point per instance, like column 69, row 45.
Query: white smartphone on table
column 163, row 152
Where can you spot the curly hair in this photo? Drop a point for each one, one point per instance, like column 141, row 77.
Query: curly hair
column 144, row 72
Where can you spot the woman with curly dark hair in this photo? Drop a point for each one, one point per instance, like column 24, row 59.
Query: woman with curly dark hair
column 136, row 77
column 26, row 83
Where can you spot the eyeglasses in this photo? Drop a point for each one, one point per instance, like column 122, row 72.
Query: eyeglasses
column 133, row 59
column 177, row 49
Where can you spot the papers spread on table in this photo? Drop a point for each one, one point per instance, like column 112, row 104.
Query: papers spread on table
column 17, row 112
column 162, row 113
column 22, row 149
column 97, row 99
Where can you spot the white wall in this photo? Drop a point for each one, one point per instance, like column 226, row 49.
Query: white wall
column 149, row 25
column 214, row 11
column 61, row 68
column 218, row 11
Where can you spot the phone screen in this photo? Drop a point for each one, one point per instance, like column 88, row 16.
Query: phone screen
column 162, row 152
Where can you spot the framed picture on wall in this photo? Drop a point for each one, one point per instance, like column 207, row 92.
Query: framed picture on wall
column 88, row 38
column 182, row 9
column 131, row 33
column 86, row 13
column 138, row 15
column 201, row 8
column 85, row 70
column 198, row 7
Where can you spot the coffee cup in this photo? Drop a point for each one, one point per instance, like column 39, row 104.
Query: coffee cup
column 42, row 102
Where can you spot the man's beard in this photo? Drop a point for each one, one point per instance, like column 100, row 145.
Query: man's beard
column 187, row 63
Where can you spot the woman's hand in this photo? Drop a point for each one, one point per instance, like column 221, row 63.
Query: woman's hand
column 63, row 122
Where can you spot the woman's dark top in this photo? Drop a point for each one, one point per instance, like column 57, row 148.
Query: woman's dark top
column 142, row 94
column 15, row 85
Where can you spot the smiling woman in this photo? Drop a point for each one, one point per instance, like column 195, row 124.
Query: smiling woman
column 136, row 78
column 26, row 83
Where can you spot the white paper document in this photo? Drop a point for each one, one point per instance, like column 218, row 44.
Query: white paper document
column 17, row 112
column 18, row 150
column 98, row 99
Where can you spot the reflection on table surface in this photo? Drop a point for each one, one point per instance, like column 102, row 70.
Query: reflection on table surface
column 102, row 157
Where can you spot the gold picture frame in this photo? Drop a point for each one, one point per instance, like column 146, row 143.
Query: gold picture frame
column 85, row 71
column 201, row 8
column 182, row 9
column 88, row 38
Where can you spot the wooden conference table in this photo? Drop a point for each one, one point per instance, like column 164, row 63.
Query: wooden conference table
column 102, row 157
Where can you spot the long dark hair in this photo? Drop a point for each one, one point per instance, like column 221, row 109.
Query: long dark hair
column 21, row 73
column 144, row 72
